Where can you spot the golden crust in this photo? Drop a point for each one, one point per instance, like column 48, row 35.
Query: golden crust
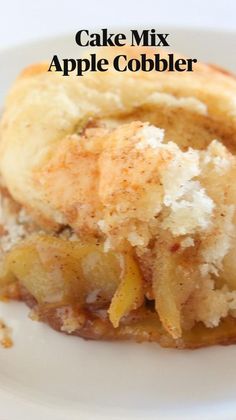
column 33, row 70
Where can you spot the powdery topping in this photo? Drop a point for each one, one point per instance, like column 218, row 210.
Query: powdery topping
column 178, row 173
column 169, row 184
column 219, row 244
column 193, row 212
column 150, row 136
column 190, row 206
column 211, row 305
column 218, row 156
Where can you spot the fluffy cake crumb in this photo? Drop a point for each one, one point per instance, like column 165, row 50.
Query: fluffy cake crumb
column 150, row 136
column 14, row 221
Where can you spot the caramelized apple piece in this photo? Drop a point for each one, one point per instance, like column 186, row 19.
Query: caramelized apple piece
column 129, row 295
column 164, row 280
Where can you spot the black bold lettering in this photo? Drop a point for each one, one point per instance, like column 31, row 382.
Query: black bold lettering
column 190, row 62
column 134, row 65
column 118, row 39
column 55, row 63
column 147, row 63
column 180, row 62
column 161, row 64
column 83, row 65
column 68, row 66
column 163, row 42
column 117, row 64
column 78, row 38
column 139, row 39
column 101, row 64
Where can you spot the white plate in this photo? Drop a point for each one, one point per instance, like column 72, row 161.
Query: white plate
column 47, row 375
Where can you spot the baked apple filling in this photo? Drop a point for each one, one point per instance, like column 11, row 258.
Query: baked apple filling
column 81, row 290
column 59, row 272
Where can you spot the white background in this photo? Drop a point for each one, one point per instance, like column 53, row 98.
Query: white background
column 25, row 20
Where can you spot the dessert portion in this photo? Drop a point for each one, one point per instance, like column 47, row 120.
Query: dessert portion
column 118, row 203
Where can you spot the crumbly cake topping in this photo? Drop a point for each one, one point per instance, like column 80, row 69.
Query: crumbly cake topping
column 150, row 136
column 15, row 223
column 172, row 193
column 12, row 222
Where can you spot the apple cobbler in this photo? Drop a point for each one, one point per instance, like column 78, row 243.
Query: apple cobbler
column 118, row 203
